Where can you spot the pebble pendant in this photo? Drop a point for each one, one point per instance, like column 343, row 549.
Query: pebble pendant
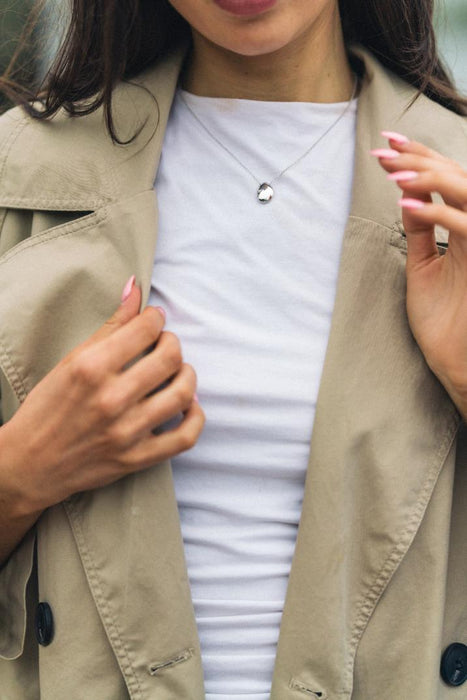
column 265, row 193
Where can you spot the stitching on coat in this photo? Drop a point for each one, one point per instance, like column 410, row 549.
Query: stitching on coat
column 295, row 684
column 109, row 622
column 9, row 368
column 368, row 603
column 354, row 217
column 397, row 239
column 11, row 373
column 78, row 226
column 52, row 203
column 10, row 141
column 40, row 201
column 169, row 663
column 81, row 225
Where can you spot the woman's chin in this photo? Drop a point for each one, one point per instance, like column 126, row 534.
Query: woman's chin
column 251, row 41
column 249, row 27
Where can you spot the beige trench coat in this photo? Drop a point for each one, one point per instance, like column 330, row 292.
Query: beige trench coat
column 378, row 586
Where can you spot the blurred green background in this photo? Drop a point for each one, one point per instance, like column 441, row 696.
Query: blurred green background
column 451, row 25
column 13, row 17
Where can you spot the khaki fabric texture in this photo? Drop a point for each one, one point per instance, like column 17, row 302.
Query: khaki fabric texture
column 377, row 587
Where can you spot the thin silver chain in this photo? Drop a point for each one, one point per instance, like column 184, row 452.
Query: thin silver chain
column 276, row 177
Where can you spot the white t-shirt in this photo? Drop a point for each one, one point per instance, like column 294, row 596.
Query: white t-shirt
column 249, row 290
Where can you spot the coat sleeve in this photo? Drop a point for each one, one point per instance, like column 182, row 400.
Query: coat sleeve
column 14, row 577
column 15, row 573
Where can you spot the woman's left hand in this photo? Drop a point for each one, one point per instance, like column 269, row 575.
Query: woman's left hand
column 436, row 283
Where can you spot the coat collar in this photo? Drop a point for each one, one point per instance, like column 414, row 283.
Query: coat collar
column 71, row 164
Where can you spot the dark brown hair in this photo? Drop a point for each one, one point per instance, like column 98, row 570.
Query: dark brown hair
column 112, row 40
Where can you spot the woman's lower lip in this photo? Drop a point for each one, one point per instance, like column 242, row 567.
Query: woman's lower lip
column 245, row 7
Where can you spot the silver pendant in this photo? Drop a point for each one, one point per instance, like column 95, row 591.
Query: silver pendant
column 265, row 193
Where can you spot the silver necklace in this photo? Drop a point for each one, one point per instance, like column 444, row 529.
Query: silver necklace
column 265, row 191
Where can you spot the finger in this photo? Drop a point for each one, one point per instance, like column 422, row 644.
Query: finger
column 403, row 144
column 425, row 214
column 451, row 186
column 421, row 239
column 128, row 309
column 422, row 218
column 167, row 444
column 157, row 409
column 132, row 339
column 392, row 161
column 151, row 370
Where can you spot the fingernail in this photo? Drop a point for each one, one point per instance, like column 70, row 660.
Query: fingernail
column 403, row 176
column 411, row 203
column 395, row 136
column 195, row 398
column 384, row 153
column 127, row 288
column 161, row 310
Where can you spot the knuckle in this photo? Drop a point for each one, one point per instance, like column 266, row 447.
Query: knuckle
column 110, row 325
column 85, row 369
column 151, row 315
column 188, row 439
column 108, row 404
column 183, row 394
column 129, row 460
column 437, row 178
column 172, row 351
column 191, row 372
column 119, row 437
column 148, row 324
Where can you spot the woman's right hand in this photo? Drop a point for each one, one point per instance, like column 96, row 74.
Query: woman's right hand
column 89, row 422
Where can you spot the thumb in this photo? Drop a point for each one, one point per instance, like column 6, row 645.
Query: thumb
column 128, row 309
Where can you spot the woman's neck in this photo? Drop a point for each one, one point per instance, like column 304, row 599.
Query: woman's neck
column 314, row 68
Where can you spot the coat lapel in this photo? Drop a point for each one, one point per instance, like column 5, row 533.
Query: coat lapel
column 58, row 286
column 77, row 271
column 72, row 164
column 383, row 427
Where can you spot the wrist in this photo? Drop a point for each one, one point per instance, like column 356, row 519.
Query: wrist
column 15, row 494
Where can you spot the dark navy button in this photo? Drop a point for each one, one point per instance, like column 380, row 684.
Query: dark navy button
column 44, row 624
column 454, row 664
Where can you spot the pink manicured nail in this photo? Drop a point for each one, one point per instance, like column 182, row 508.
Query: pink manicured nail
column 395, row 136
column 411, row 203
column 161, row 310
column 384, row 153
column 195, row 397
column 127, row 288
column 403, row 176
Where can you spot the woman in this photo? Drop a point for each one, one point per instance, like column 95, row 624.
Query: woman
column 266, row 229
